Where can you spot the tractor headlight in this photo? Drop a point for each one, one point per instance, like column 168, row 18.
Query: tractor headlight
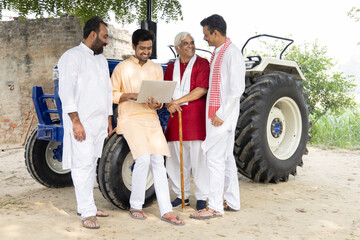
column 252, row 61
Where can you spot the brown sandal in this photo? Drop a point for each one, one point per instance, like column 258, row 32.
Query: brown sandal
column 213, row 213
column 228, row 208
column 140, row 212
column 85, row 222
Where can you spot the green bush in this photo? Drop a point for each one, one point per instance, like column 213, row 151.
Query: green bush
column 333, row 130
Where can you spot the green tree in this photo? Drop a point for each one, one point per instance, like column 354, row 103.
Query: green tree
column 354, row 13
column 328, row 90
column 126, row 11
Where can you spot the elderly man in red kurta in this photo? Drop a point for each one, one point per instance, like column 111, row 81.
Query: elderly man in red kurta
column 192, row 74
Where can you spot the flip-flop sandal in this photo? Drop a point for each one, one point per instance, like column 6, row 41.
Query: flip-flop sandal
column 214, row 214
column 97, row 215
column 92, row 219
column 172, row 222
column 228, row 208
column 131, row 213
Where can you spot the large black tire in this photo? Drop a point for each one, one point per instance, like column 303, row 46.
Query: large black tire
column 43, row 161
column 272, row 129
column 114, row 173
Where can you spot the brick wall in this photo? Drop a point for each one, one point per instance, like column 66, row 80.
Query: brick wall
column 28, row 53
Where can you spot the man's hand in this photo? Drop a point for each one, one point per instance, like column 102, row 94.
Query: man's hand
column 216, row 121
column 128, row 97
column 173, row 106
column 153, row 104
column 133, row 96
column 79, row 131
column 78, row 128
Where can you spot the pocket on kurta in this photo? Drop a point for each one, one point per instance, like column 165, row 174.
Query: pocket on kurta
column 83, row 153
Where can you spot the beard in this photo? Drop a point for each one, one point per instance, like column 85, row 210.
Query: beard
column 98, row 46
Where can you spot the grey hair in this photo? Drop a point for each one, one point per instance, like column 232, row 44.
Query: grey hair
column 179, row 37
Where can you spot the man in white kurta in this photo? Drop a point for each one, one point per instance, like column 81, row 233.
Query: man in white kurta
column 86, row 95
column 227, row 64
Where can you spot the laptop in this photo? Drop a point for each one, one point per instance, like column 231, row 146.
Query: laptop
column 162, row 91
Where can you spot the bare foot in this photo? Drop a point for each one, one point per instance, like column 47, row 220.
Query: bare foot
column 101, row 213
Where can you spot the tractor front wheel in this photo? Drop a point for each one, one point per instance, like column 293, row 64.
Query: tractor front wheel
column 114, row 173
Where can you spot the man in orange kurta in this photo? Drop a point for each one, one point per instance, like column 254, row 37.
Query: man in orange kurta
column 140, row 125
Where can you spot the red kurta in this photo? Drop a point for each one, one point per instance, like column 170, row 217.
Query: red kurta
column 193, row 114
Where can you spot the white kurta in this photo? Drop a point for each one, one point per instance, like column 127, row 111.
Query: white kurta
column 85, row 88
column 219, row 143
column 232, row 87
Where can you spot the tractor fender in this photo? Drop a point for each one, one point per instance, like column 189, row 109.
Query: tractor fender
column 273, row 64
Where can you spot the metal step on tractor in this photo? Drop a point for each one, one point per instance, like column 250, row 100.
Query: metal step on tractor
column 271, row 134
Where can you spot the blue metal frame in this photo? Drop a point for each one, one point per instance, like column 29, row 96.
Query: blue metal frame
column 48, row 129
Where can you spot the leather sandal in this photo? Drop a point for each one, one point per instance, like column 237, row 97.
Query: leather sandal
column 213, row 214
column 228, row 208
column 85, row 222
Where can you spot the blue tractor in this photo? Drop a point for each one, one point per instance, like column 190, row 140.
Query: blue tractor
column 270, row 140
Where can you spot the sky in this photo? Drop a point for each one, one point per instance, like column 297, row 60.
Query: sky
column 304, row 21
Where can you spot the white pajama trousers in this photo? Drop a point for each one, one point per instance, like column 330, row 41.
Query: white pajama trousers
column 83, row 179
column 139, row 175
column 224, row 182
column 194, row 162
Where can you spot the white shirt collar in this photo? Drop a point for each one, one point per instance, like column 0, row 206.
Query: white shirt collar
column 86, row 48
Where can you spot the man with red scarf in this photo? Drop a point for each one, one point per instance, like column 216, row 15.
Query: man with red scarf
column 192, row 75
column 227, row 84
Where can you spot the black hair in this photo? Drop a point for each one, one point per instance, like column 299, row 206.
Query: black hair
column 215, row 22
column 93, row 24
column 142, row 35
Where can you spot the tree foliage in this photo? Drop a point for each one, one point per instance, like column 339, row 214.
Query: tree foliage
column 126, row 11
column 328, row 90
column 354, row 13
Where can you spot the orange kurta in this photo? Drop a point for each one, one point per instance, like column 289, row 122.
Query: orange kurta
column 138, row 123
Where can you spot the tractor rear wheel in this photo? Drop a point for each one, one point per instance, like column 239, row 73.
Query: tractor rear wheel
column 114, row 173
column 272, row 129
column 43, row 161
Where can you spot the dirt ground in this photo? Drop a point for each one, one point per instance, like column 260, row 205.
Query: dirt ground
column 321, row 202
